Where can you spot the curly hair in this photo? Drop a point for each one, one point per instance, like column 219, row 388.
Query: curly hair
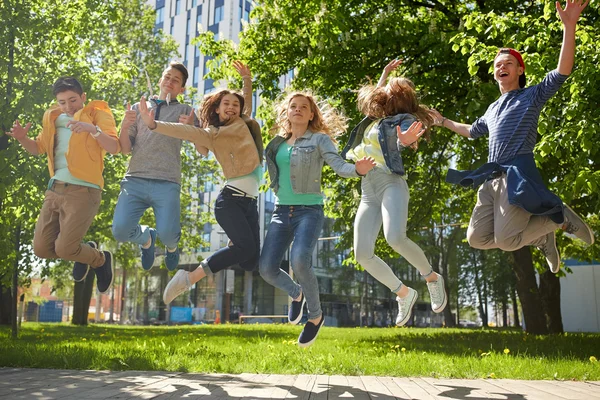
column 207, row 112
column 397, row 97
column 326, row 119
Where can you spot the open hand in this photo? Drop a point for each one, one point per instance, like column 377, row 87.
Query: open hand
column 187, row 119
column 19, row 132
column 242, row 69
column 146, row 115
column 129, row 118
column 437, row 117
column 81, row 127
column 392, row 65
column 364, row 165
column 412, row 134
column 570, row 14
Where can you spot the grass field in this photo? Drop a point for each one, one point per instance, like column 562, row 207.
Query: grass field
column 448, row 353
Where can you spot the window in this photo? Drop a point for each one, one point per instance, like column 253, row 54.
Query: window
column 160, row 15
column 190, row 52
column 198, row 19
column 219, row 11
column 196, row 75
column 177, row 7
column 194, row 3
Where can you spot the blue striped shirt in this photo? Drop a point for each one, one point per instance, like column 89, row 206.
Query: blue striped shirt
column 511, row 121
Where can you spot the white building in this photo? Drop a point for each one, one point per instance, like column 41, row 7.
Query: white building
column 580, row 297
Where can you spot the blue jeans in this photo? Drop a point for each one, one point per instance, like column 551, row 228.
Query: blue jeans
column 302, row 225
column 238, row 216
column 137, row 194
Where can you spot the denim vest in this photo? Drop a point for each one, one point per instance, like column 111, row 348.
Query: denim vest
column 388, row 139
column 309, row 152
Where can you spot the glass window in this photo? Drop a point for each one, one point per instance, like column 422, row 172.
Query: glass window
column 219, row 14
column 160, row 15
column 177, row 7
column 196, row 75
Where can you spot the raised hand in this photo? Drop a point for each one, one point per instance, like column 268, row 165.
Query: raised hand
column 242, row 69
column 364, row 165
column 412, row 134
column 81, row 127
column 392, row 65
column 129, row 118
column 19, row 132
column 438, row 119
column 570, row 14
column 187, row 119
column 146, row 115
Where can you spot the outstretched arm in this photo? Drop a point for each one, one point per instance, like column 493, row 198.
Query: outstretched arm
column 569, row 17
column 20, row 133
column 457, row 127
column 244, row 72
column 392, row 65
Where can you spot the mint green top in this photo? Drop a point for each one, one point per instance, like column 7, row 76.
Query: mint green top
column 285, row 193
column 61, row 170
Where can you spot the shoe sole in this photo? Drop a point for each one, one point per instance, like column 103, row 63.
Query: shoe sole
column 164, row 294
column 589, row 230
column 93, row 245
column 557, row 254
column 112, row 268
column 303, row 345
column 407, row 318
column 295, row 322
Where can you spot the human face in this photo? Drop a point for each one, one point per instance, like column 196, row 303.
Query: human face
column 70, row 102
column 507, row 70
column 299, row 111
column 228, row 108
column 171, row 82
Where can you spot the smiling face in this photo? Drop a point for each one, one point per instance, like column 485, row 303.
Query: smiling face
column 171, row 82
column 70, row 102
column 507, row 70
column 228, row 108
column 299, row 111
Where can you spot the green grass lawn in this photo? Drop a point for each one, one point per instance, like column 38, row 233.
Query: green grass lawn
column 448, row 353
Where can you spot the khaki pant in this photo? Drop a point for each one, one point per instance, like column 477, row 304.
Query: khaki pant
column 496, row 224
column 65, row 218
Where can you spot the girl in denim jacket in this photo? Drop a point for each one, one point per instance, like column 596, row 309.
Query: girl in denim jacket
column 295, row 159
column 394, row 120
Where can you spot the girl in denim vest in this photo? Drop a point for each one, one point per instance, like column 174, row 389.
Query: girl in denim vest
column 236, row 142
column 394, row 120
column 295, row 160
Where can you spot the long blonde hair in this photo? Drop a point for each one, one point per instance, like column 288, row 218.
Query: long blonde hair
column 397, row 97
column 326, row 119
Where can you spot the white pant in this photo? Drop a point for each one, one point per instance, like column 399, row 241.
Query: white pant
column 384, row 201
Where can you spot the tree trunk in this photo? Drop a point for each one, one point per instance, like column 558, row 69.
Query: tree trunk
column 504, row 313
column 550, row 295
column 123, row 304
column 5, row 303
column 528, row 291
column 513, row 296
column 15, row 283
column 146, row 303
column 82, row 297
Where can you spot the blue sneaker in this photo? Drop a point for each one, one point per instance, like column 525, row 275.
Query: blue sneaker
column 148, row 254
column 172, row 259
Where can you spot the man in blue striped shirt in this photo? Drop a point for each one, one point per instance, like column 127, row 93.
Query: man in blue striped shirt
column 514, row 208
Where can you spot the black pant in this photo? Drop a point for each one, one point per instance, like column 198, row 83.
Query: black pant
column 238, row 216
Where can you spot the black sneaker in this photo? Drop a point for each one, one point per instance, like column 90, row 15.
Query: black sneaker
column 104, row 273
column 310, row 332
column 295, row 313
column 80, row 270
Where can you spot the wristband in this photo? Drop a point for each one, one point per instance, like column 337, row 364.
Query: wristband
column 98, row 132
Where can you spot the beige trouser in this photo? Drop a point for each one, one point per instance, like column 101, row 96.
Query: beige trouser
column 496, row 224
column 66, row 215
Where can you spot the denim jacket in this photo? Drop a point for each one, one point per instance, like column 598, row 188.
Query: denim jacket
column 306, row 162
column 388, row 139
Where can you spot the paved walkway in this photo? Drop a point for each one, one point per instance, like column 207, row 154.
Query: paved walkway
column 40, row 384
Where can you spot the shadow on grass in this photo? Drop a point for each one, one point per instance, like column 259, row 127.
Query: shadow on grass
column 103, row 384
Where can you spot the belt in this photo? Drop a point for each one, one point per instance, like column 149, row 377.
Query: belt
column 238, row 193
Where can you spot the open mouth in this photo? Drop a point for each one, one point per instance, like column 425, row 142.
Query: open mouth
column 503, row 74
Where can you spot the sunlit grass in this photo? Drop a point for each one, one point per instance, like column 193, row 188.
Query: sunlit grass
column 448, row 353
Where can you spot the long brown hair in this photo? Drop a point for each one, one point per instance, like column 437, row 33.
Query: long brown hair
column 211, row 102
column 397, row 97
column 326, row 119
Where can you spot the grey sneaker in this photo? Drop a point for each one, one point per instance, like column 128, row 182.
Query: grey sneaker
column 576, row 226
column 550, row 251
column 437, row 293
column 405, row 306
column 179, row 284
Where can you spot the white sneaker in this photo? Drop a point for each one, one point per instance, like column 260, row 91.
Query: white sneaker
column 576, row 226
column 548, row 248
column 179, row 284
column 405, row 306
column 437, row 293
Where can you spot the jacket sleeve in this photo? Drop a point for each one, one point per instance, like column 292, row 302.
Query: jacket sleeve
column 334, row 160
column 106, row 122
column 247, row 94
column 199, row 136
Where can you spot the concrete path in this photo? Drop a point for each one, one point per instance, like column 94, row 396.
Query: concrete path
column 41, row 384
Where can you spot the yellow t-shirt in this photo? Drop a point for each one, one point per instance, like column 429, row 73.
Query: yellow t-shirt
column 369, row 147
